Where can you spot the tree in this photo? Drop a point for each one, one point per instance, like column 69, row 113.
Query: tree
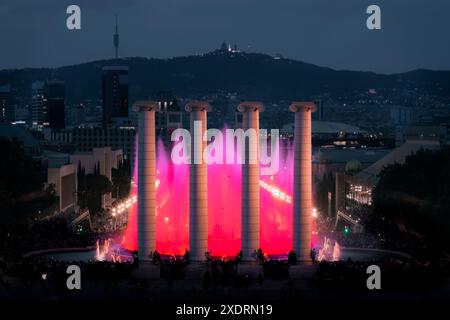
column 292, row 257
column 96, row 186
column 415, row 196
column 121, row 180
column 21, row 185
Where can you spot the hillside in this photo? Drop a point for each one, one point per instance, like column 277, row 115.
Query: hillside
column 255, row 76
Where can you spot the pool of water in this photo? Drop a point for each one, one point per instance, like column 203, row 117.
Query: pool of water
column 83, row 256
column 70, row 256
column 355, row 254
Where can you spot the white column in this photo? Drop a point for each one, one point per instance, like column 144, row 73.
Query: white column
column 198, row 182
column 146, row 178
column 250, row 180
column 302, row 195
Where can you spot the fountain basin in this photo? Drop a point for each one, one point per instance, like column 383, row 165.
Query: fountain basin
column 364, row 254
column 75, row 255
column 90, row 253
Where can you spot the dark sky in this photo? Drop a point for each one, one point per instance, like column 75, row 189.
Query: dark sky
column 330, row 33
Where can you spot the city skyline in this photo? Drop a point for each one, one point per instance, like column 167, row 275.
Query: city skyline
column 225, row 157
column 306, row 32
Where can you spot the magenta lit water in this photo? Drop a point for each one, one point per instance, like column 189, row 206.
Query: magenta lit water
column 224, row 207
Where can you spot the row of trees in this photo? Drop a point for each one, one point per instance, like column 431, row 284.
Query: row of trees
column 415, row 197
column 92, row 187
column 22, row 192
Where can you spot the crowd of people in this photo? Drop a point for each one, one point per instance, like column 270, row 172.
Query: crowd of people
column 46, row 234
column 396, row 273
column 55, row 233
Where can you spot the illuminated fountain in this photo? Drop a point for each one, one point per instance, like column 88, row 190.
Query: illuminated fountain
column 284, row 208
column 102, row 251
column 329, row 252
column 275, row 209
column 336, row 251
column 224, row 220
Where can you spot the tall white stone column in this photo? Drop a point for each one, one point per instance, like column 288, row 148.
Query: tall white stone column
column 146, row 178
column 198, row 182
column 250, row 180
column 302, row 195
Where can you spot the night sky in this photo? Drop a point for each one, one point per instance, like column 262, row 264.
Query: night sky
column 415, row 33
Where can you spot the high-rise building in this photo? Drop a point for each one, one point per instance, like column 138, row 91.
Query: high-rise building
column 114, row 93
column 38, row 108
column 7, row 111
column 47, row 105
column 54, row 96
column 169, row 116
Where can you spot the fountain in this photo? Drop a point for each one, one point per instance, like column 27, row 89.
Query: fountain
column 103, row 252
column 329, row 252
column 336, row 251
column 224, row 203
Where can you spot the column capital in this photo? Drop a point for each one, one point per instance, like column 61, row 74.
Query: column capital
column 198, row 106
column 298, row 106
column 250, row 106
column 146, row 105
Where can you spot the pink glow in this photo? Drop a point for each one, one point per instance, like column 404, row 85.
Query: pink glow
column 224, row 202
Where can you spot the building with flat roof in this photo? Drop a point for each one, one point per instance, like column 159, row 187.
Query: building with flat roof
column 7, row 109
column 323, row 127
column 114, row 93
column 357, row 189
column 88, row 138
column 64, row 179
column 38, row 112
column 54, row 99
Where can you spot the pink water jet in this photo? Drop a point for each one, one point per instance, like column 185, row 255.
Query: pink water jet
column 224, row 207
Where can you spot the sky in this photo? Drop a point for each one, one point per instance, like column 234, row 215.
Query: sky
column 331, row 33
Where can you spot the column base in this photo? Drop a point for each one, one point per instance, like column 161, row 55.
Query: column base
column 304, row 260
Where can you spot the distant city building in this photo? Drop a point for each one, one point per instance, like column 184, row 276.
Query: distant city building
column 38, row 109
column 226, row 49
column 319, row 114
column 7, row 110
column 333, row 160
column 76, row 115
column 357, row 189
column 422, row 132
column 59, row 140
column 401, row 115
column 54, row 97
column 86, row 139
column 47, row 105
column 169, row 117
column 323, row 127
column 114, row 93
column 63, row 176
